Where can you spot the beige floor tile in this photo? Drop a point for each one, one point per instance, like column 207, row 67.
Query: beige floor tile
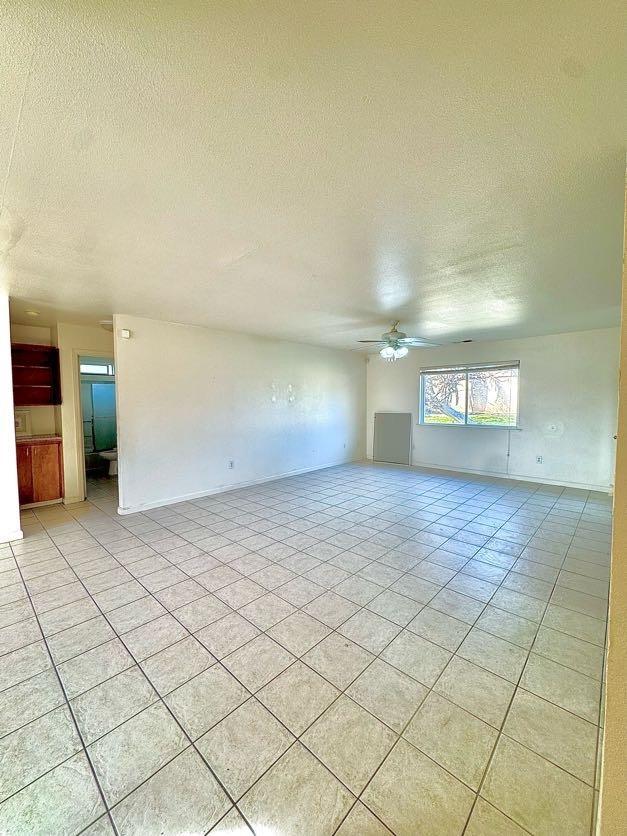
column 457, row 740
column 32, row 750
column 457, row 605
column 331, row 609
column 560, row 685
column 539, row 796
column 474, row 587
column 411, row 794
column 557, row 735
column 154, row 636
column 240, row 593
column 20, row 665
column 135, row 614
column 508, row 626
column 203, row 701
column 18, row 635
column 299, row 632
column 111, row 703
column 298, row 696
column 417, row 657
column 176, row 664
column 358, row 590
column 440, row 628
column 579, row 655
column 486, row 820
column 478, row 691
column 580, row 602
column 201, row 612
column 101, row 827
column 361, row 822
column 64, row 800
column 299, row 591
column 350, row 742
column 322, row 800
column 28, row 700
column 226, row 635
column 519, row 604
column 369, row 630
column 61, row 618
column 266, row 611
column 338, row 659
column 396, row 608
column 232, row 824
column 534, row 587
column 134, row 751
column 494, row 654
column 389, row 694
column 575, row 624
column 379, row 537
column 243, row 745
column 183, row 797
column 258, row 662
column 418, row 589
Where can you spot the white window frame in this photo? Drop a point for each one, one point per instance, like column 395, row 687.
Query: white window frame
column 467, row 368
column 109, row 369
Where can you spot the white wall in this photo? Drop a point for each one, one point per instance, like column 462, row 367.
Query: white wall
column 566, row 379
column 74, row 340
column 9, row 501
column 189, row 399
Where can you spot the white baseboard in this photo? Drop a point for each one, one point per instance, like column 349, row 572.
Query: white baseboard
column 174, row 500
column 515, row 477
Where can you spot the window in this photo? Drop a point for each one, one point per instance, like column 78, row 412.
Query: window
column 485, row 395
column 97, row 368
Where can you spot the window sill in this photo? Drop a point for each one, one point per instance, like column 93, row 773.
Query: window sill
column 469, row 426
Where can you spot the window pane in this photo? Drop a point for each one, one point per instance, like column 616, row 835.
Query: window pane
column 92, row 368
column 444, row 398
column 493, row 397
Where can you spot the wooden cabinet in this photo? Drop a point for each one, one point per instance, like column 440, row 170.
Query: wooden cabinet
column 36, row 379
column 39, row 469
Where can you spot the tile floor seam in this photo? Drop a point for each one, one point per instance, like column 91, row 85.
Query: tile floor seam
column 399, row 627
column 77, row 729
column 160, row 700
column 501, row 731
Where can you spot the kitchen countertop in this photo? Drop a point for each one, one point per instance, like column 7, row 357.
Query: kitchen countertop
column 29, row 439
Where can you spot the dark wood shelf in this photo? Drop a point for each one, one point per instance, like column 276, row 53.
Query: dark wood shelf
column 36, row 377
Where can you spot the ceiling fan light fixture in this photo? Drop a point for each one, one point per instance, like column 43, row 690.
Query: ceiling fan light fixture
column 400, row 352
column 387, row 353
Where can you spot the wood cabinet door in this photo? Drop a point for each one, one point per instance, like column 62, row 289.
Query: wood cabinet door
column 46, row 472
column 24, row 473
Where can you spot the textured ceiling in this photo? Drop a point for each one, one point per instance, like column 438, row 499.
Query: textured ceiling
column 315, row 170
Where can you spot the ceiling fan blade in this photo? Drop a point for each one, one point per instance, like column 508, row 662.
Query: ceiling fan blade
column 375, row 342
column 417, row 342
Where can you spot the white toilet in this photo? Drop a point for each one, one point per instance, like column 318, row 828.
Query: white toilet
column 112, row 457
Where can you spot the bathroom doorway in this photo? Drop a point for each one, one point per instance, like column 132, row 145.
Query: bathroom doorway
column 97, row 397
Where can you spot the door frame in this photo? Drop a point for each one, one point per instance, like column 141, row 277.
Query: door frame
column 77, row 353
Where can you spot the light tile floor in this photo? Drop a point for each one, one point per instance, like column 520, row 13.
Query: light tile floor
column 362, row 650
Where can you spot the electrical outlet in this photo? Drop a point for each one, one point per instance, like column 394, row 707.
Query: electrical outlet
column 539, row 459
column 231, row 464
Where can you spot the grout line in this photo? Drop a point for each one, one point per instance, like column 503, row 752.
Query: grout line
column 76, row 726
column 326, row 590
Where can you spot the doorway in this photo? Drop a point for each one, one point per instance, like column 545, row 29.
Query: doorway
column 97, row 397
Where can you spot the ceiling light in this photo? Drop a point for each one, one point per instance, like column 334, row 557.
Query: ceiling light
column 403, row 351
column 387, row 353
column 32, row 313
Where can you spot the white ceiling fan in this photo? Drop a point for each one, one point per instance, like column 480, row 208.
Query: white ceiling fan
column 396, row 344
